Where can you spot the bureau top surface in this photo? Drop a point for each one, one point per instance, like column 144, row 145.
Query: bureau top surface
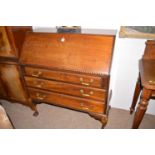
column 83, row 31
column 87, row 53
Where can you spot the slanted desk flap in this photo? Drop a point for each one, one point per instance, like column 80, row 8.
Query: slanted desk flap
column 76, row 52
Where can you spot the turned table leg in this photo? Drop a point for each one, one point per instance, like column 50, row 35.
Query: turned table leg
column 142, row 107
column 136, row 95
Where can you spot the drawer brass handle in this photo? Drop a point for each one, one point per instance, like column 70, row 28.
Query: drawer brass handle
column 83, row 106
column 40, row 96
column 152, row 82
column 36, row 73
column 62, row 39
column 84, row 83
column 87, row 95
column 39, row 84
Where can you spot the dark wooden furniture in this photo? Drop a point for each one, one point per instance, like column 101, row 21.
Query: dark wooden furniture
column 11, row 80
column 69, row 70
column 145, row 83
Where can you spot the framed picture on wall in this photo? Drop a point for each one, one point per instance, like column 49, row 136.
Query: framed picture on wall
column 143, row 32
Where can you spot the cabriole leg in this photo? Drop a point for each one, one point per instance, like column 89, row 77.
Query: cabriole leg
column 101, row 117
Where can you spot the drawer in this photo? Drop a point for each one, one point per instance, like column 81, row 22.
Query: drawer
column 67, row 101
column 85, row 80
column 66, row 88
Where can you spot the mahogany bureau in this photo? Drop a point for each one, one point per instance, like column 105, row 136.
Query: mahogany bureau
column 71, row 70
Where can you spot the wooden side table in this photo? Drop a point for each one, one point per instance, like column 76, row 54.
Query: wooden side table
column 146, row 81
column 145, row 84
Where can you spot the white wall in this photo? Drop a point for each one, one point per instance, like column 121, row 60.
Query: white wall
column 124, row 71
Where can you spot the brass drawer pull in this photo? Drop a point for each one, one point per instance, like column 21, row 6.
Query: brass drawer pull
column 152, row 82
column 87, row 95
column 38, row 84
column 83, row 106
column 84, row 83
column 40, row 96
column 36, row 73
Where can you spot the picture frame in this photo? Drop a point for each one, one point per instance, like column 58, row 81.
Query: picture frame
column 141, row 32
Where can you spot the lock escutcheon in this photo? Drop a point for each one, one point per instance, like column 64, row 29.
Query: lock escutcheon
column 63, row 39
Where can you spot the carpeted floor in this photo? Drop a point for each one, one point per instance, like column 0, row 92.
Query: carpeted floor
column 52, row 117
